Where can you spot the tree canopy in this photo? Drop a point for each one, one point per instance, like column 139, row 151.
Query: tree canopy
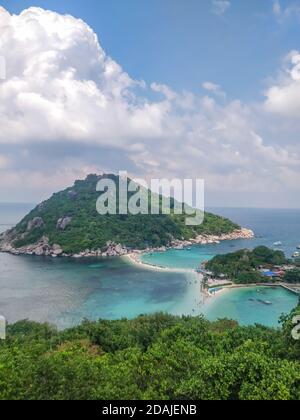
column 241, row 266
column 152, row 357
column 292, row 276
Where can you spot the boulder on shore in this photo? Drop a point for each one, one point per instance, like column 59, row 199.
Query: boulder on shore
column 56, row 250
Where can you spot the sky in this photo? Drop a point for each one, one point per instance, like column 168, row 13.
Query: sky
column 168, row 88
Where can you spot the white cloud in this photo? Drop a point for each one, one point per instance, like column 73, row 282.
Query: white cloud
column 214, row 88
column 220, row 7
column 283, row 97
column 67, row 109
column 55, row 69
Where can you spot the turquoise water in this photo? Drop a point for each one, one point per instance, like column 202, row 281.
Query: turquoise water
column 245, row 305
column 174, row 258
column 270, row 226
column 65, row 291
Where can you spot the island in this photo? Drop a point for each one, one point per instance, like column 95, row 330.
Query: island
column 261, row 266
column 68, row 224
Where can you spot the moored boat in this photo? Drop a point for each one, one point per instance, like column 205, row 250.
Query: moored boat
column 265, row 302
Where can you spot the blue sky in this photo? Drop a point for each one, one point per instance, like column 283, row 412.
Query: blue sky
column 170, row 88
column 183, row 43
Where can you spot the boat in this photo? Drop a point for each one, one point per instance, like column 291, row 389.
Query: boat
column 278, row 243
column 298, row 247
column 265, row 302
column 296, row 254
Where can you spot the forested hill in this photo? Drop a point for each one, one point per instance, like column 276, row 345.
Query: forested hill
column 70, row 220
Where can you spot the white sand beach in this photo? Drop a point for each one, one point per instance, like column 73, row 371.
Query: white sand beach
column 135, row 258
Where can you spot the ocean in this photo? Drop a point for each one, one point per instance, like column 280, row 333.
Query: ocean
column 66, row 291
column 269, row 225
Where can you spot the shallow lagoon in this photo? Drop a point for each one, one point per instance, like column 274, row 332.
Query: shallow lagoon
column 65, row 291
column 245, row 305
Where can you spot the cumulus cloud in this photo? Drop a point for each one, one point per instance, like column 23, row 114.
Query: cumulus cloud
column 283, row 97
column 220, row 7
column 55, row 69
column 67, row 109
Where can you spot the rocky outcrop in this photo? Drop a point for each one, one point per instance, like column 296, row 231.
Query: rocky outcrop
column 204, row 240
column 112, row 249
column 35, row 223
column 40, row 248
column 43, row 248
column 63, row 222
column 236, row 234
column 215, row 239
column 6, row 239
column 56, row 250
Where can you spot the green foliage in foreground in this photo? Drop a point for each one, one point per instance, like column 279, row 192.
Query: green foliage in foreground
column 240, row 266
column 89, row 230
column 151, row 357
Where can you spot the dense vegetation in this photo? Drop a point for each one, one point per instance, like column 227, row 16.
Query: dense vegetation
column 292, row 276
column 89, row 230
column 240, row 266
column 151, row 357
